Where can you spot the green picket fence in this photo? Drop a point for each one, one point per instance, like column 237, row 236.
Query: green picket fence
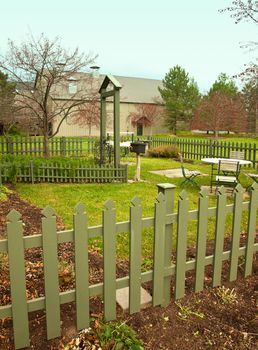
column 58, row 146
column 163, row 267
column 61, row 173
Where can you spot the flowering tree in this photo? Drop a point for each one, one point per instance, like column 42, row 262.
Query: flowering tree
column 219, row 111
column 146, row 114
column 88, row 114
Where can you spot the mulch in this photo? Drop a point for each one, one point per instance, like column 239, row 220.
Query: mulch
column 198, row 321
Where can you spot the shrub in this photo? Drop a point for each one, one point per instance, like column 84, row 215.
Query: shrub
column 164, row 151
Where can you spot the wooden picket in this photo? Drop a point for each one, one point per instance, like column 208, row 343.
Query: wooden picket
column 163, row 268
column 135, row 255
column 252, row 224
column 81, row 267
column 109, row 244
column 236, row 229
column 50, row 258
column 159, row 250
column 201, row 239
column 181, row 246
column 219, row 235
column 17, row 279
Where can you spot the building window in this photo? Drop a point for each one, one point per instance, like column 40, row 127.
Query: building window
column 72, row 88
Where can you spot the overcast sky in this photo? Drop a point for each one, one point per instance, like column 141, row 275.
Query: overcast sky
column 139, row 38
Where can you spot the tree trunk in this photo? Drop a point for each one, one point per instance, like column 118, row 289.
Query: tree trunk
column 46, row 145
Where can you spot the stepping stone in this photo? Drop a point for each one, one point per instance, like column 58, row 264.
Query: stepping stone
column 122, row 298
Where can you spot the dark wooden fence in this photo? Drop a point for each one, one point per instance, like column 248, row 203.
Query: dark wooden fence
column 78, row 147
column 197, row 149
column 58, row 146
column 164, row 267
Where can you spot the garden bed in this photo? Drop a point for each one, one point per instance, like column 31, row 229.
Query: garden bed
column 216, row 318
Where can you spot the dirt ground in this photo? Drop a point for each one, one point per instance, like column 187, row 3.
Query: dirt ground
column 216, row 318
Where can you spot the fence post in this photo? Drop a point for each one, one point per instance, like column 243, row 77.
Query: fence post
column 254, row 159
column 31, row 172
column 201, row 239
column 237, row 217
column 17, row 280
column 181, row 244
column 9, row 145
column 169, row 193
column 135, row 255
column 211, row 148
column 252, row 217
column 219, row 235
column 109, row 246
column 159, row 250
column 63, row 146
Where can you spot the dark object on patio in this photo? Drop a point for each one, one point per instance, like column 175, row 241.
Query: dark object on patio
column 228, row 172
column 138, row 147
column 189, row 176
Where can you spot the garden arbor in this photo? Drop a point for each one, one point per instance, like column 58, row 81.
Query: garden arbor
column 110, row 88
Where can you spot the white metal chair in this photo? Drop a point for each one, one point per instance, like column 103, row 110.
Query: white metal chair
column 228, row 172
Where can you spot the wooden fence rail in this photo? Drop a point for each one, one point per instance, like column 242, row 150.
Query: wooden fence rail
column 61, row 173
column 163, row 267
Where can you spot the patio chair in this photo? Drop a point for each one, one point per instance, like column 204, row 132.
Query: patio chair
column 189, row 176
column 237, row 155
column 228, row 172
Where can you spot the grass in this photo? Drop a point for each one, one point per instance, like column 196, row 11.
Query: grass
column 64, row 197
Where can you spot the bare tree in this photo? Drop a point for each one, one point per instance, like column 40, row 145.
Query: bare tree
column 243, row 10
column 248, row 11
column 50, row 86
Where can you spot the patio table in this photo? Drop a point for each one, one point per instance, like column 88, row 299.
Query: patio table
column 215, row 161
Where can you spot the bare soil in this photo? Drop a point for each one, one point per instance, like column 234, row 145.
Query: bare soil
column 211, row 319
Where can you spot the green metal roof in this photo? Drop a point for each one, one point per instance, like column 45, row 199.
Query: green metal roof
column 110, row 79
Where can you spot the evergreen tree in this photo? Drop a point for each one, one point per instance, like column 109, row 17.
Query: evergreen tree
column 224, row 85
column 180, row 95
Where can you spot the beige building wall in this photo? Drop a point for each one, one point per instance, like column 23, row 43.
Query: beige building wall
column 68, row 128
column 134, row 91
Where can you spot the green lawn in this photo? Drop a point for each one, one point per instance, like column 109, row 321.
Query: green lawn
column 64, row 197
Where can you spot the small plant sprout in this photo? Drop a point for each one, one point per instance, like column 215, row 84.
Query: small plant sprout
column 185, row 312
column 227, row 295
